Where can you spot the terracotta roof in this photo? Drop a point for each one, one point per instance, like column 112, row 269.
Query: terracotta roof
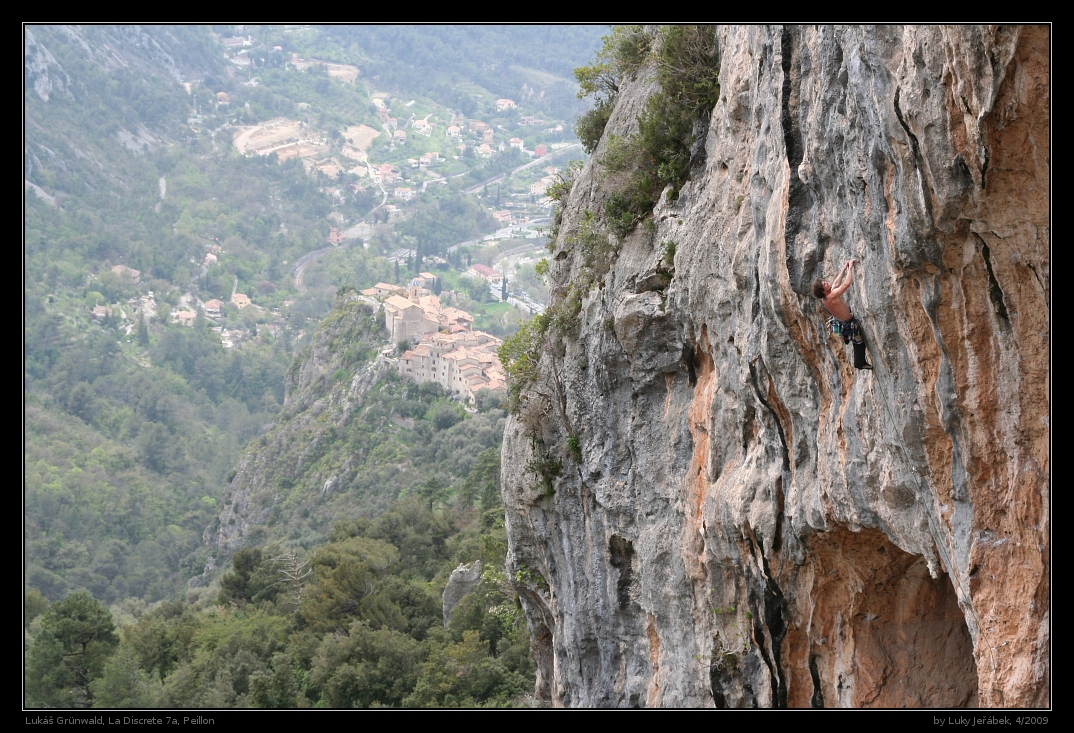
column 401, row 303
column 459, row 315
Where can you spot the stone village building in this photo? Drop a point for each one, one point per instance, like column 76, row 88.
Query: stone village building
column 409, row 318
column 448, row 351
column 461, row 362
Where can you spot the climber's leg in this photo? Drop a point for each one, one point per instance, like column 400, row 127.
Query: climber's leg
column 853, row 330
column 860, row 361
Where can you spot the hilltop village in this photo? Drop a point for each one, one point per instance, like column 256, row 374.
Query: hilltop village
column 440, row 343
column 445, row 348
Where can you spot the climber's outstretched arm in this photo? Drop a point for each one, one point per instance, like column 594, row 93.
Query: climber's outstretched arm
column 844, row 281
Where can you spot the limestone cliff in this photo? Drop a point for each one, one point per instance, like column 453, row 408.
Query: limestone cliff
column 741, row 518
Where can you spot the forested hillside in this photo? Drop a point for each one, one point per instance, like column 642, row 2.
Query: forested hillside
column 352, row 436
column 323, row 605
column 141, row 206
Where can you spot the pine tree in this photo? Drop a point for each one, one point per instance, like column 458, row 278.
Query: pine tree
column 503, row 290
column 77, row 636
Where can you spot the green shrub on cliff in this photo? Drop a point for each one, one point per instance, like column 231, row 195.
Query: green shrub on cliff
column 658, row 157
column 624, row 51
column 519, row 355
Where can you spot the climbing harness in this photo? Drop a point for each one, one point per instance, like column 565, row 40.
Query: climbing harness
column 847, row 330
column 834, row 325
column 850, row 332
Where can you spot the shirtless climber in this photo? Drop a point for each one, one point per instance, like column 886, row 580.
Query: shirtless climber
column 842, row 321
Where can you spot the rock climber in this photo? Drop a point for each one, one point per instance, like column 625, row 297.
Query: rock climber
column 843, row 321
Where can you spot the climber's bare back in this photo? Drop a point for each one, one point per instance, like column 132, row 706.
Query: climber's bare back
column 837, row 307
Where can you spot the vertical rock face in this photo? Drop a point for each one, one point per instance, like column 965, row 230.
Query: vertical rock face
column 749, row 521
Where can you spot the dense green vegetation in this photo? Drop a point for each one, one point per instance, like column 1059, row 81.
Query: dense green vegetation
column 443, row 218
column 272, row 639
column 355, row 623
column 278, row 646
column 393, row 439
column 70, row 652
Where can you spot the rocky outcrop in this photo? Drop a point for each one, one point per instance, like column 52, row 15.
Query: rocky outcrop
column 38, row 62
column 463, row 580
column 153, row 51
column 715, row 507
